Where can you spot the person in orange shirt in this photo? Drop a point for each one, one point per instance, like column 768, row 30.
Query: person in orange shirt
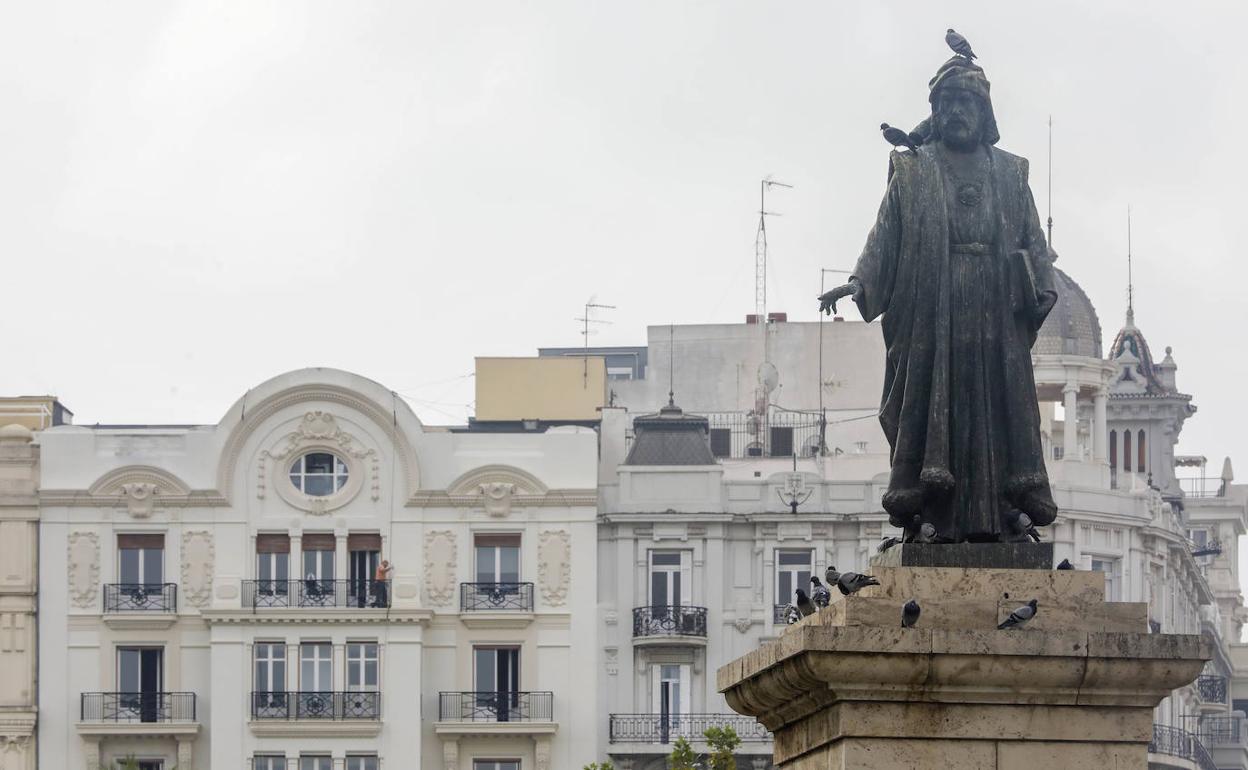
column 380, row 579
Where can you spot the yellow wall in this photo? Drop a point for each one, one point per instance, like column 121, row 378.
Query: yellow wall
column 31, row 412
column 541, row 388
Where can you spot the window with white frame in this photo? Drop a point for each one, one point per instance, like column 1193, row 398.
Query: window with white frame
column 316, row 667
column 270, row 666
column 362, row 762
column 670, row 578
column 268, row 762
column 495, row 764
column 316, row 762
column 793, row 570
column 670, row 689
column 318, row 474
column 362, row 664
column 1113, row 577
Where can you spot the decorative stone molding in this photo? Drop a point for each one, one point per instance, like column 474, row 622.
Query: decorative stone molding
column 612, row 660
column 84, row 568
column 198, row 563
column 742, row 623
column 140, row 498
column 319, row 431
column 541, row 753
column 554, row 566
column 140, row 488
column 450, row 754
column 382, row 417
column 496, row 497
column 440, row 556
column 497, row 488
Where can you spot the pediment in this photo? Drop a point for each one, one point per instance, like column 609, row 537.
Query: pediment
column 141, row 488
column 473, row 482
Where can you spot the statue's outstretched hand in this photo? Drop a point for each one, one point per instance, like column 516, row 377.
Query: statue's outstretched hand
column 827, row 300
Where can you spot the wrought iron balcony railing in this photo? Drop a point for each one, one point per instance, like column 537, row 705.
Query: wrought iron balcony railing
column 140, row 597
column 1201, row 756
column 1172, row 741
column 311, row 592
column 665, row 728
column 313, row 762
column 493, row 597
column 1223, row 731
column 491, row 706
column 138, row 707
column 316, row 705
column 1211, row 689
column 669, row 620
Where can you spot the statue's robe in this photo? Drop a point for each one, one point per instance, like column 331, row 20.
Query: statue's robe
column 959, row 406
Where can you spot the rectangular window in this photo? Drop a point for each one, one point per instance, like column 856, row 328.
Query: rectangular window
column 362, row 665
column 140, row 677
column 670, row 578
column 793, row 570
column 273, row 567
column 270, row 667
column 141, row 559
column 495, row 764
column 318, row 556
column 315, row 762
column 781, row 442
column 721, row 442
column 316, row 667
column 670, row 688
column 496, row 681
column 362, row 762
column 498, row 558
column 1112, row 577
column 268, row 762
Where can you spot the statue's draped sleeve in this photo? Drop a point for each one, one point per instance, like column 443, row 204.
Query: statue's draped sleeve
column 876, row 269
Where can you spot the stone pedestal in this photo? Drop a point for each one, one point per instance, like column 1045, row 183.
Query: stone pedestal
column 1076, row 687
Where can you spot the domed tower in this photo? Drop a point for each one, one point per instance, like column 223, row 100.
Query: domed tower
column 1070, row 371
column 1146, row 410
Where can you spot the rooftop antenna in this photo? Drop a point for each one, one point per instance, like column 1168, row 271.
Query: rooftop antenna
column 1050, row 224
column 1130, row 281
column 671, row 364
column 760, row 256
column 585, row 332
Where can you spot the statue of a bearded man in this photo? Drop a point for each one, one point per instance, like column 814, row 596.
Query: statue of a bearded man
column 957, row 266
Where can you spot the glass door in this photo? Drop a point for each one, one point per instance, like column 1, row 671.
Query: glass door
column 272, row 569
column 269, row 685
column 669, row 578
column 496, row 679
column 792, row 572
column 363, row 566
column 140, row 570
column 316, row 685
column 139, row 682
column 670, row 688
column 318, row 570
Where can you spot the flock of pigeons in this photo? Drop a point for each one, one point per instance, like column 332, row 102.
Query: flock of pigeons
column 849, row 583
column 912, row 140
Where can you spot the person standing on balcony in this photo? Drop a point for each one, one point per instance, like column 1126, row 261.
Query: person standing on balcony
column 380, row 597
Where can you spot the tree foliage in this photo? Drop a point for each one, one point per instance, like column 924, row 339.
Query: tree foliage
column 683, row 757
column 722, row 741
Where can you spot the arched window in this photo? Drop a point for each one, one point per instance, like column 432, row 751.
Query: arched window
column 1113, row 449
column 1139, row 460
column 1126, row 450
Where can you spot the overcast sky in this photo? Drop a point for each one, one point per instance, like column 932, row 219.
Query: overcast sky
column 196, row 197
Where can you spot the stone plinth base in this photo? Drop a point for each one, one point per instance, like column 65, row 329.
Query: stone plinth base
column 849, row 688
column 1027, row 555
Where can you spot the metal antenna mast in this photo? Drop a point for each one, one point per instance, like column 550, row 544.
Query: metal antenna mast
column 585, row 332
column 1050, row 181
column 760, row 256
column 1130, row 281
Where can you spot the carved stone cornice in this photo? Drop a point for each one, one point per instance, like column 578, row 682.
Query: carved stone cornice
column 82, row 498
column 337, row 616
column 554, row 498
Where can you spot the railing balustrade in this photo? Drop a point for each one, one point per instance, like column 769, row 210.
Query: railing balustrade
column 1223, row 731
column 495, row 597
column 496, row 706
column 140, row 597
column 1173, row 741
column 313, row 762
column 137, row 707
column 315, row 593
column 326, row 704
column 665, row 728
column 669, row 620
column 1211, row 688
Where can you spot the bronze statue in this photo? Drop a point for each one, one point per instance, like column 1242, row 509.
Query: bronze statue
column 957, row 266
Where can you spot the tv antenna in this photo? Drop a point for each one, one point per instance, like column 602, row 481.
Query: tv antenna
column 586, row 320
column 760, row 256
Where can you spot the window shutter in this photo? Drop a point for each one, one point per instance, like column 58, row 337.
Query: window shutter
column 272, row 543
column 364, row 541
column 322, row 541
column 498, row 539
column 156, row 540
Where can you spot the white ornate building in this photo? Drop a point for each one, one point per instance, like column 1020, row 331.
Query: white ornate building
column 210, row 596
column 699, row 543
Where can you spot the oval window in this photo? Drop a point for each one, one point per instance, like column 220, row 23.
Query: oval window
column 318, row 474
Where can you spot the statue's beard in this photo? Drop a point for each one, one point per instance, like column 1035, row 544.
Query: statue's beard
column 957, row 134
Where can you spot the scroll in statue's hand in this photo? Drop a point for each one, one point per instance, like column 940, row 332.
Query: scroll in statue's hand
column 827, row 300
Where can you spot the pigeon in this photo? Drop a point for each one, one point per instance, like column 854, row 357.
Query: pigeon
column 898, row 138
column 790, row 614
column 852, row 582
column 960, row 45
column 910, row 614
column 1065, row 564
column 819, row 593
column 886, row 543
column 1019, row 616
column 831, row 576
column 803, row 603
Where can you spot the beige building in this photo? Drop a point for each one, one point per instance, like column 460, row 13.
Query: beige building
column 19, row 538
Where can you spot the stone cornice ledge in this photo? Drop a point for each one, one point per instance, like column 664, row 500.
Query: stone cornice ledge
column 284, row 616
column 320, row 728
column 811, row 667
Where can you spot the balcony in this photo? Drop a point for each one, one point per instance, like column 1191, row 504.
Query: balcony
column 316, row 713
column 1226, row 738
column 669, row 624
column 1173, row 747
column 495, row 713
column 152, row 714
column 140, row 605
column 313, row 762
column 665, row 728
column 1211, row 689
column 316, row 594
column 496, row 605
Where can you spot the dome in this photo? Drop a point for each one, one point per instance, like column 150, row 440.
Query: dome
column 1072, row 328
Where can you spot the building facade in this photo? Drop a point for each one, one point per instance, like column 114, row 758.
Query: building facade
column 220, row 594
